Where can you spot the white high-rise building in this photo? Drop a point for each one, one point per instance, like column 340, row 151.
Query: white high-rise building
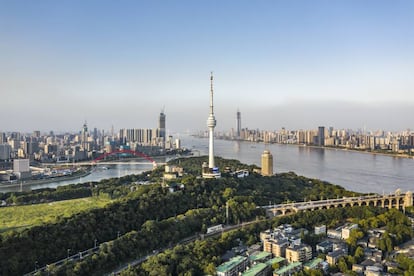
column 21, row 168
column 211, row 171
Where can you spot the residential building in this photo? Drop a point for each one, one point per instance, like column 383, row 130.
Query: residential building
column 276, row 260
column 324, row 246
column 276, row 246
column 259, row 257
column 320, row 230
column 259, row 269
column 333, row 257
column 316, row 263
column 233, row 267
column 298, row 253
column 289, row 269
column 334, row 233
column 346, row 231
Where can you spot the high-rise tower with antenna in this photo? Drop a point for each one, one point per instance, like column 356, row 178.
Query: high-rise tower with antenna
column 238, row 124
column 84, row 136
column 211, row 171
column 161, row 128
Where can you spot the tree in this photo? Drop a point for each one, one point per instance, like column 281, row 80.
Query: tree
column 228, row 193
column 342, row 265
column 210, row 269
column 354, row 236
column 359, row 254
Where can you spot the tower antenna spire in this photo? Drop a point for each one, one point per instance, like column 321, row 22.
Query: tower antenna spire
column 211, row 93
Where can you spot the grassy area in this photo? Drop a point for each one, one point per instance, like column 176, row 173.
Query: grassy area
column 20, row 217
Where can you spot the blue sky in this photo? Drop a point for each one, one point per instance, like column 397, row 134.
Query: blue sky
column 294, row 64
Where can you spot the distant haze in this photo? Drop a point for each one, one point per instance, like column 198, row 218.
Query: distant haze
column 293, row 64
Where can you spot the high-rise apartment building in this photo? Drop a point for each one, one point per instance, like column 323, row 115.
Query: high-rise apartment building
column 142, row 136
column 267, row 163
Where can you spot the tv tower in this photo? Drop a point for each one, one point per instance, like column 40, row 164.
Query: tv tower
column 211, row 171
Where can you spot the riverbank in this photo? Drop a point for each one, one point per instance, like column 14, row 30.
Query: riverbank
column 28, row 183
column 397, row 155
column 359, row 151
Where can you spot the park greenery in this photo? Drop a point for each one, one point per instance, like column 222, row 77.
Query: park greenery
column 134, row 220
column 27, row 216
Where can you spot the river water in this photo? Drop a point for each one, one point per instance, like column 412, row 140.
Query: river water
column 356, row 171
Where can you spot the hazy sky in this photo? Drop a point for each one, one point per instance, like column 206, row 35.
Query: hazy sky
column 293, row 64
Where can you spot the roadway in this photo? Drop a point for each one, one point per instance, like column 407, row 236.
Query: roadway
column 187, row 240
column 71, row 258
column 83, row 254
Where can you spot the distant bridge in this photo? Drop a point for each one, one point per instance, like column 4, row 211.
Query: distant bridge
column 398, row 200
column 102, row 159
column 124, row 151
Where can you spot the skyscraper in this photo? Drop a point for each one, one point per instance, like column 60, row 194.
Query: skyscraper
column 84, row 136
column 267, row 163
column 161, row 127
column 238, row 124
column 3, row 138
column 321, row 136
column 211, row 171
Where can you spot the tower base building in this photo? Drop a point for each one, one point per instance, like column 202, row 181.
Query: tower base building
column 210, row 172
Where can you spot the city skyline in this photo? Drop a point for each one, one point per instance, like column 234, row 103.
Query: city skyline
column 282, row 64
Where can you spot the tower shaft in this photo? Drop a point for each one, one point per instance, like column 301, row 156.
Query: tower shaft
column 211, row 150
column 211, row 124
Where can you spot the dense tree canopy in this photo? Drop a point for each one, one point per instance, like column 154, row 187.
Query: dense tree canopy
column 146, row 215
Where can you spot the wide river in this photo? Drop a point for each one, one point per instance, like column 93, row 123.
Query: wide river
column 356, row 171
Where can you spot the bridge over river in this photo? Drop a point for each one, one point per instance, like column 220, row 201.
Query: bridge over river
column 397, row 200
